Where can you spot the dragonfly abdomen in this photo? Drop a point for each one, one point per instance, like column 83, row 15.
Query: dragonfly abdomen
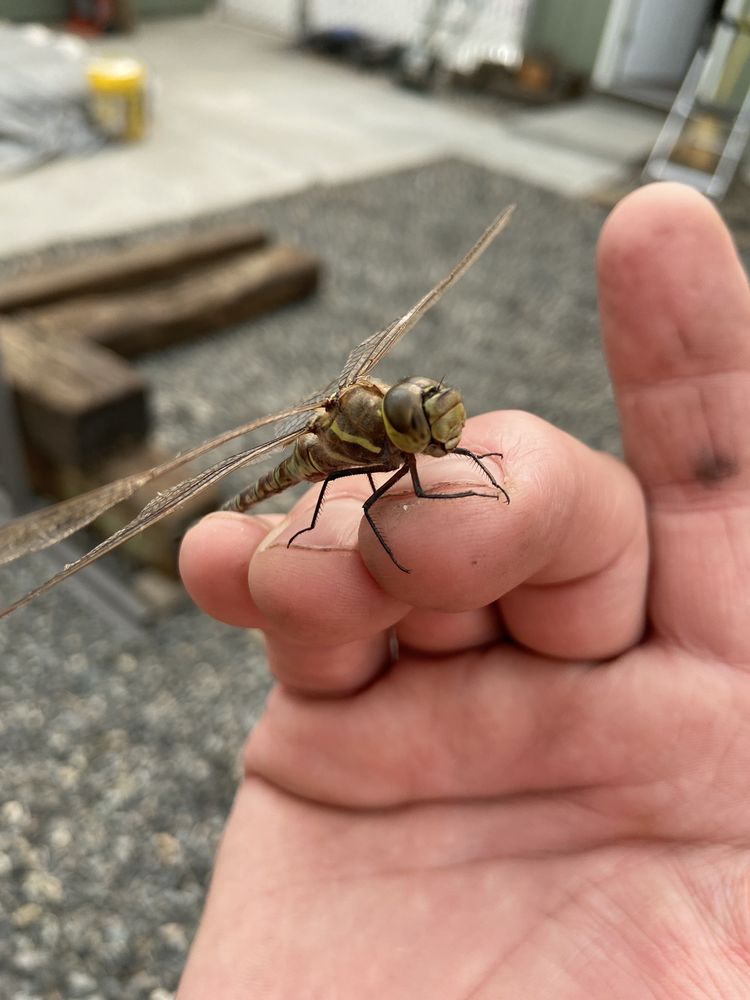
column 296, row 468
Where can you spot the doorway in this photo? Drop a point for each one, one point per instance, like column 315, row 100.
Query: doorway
column 646, row 48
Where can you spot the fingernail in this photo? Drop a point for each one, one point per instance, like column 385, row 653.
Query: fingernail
column 337, row 527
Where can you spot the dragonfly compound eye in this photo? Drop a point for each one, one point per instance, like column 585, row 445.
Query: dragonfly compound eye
column 405, row 421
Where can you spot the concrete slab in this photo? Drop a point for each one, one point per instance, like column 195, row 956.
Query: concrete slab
column 241, row 116
column 602, row 126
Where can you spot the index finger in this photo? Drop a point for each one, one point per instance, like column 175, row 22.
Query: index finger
column 676, row 312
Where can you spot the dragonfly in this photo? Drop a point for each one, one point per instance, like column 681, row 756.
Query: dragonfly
column 356, row 425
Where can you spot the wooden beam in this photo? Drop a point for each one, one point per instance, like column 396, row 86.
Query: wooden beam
column 108, row 270
column 75, row 399
column 207, row 297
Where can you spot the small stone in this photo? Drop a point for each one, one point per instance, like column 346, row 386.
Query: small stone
column 29, row 959
column 77, row 664
column 174, row 936
column 116, row 740
column 59, row 742
column 127, row 663
column 29, row 855
column 168, row 849
column 60, row 835
column 123, row 848
column 6, row 865
column 16, row 814
column 49, row 932
column 142, row 981
column 41, row 886
column 27, row 914
column 115, row 938
column 160, row 994
column 161, row 595
column 32, row 717
column 80, row 983
column 67, row 776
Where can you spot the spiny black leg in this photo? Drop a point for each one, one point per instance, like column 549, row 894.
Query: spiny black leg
column 483, row 467
column 340, row 474
column 419, row 489
column 410, row 465
column 377, row 494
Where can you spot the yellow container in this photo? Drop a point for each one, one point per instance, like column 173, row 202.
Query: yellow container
column 117, row 90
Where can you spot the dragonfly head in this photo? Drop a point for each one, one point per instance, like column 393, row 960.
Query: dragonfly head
column 423, row 417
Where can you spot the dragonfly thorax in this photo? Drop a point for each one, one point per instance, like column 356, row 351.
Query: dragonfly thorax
column 422, row 416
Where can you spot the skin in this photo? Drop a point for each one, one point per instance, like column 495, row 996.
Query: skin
column 547, row 794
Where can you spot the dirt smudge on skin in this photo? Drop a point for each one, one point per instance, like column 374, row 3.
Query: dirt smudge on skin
column 712, row 468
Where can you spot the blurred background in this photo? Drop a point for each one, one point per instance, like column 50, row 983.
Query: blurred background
column 203, row 208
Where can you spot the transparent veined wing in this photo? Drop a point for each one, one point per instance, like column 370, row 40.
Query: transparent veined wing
column 40, row 529
column 46, row 527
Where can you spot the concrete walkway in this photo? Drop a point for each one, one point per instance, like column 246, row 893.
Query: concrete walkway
column 241, row 116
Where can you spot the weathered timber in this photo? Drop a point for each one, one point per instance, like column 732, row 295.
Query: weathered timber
column 157, row 547
column 109, row 270
column 75, row 399
column 208, row 297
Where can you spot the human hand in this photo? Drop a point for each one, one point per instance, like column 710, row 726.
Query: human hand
column 547, row 794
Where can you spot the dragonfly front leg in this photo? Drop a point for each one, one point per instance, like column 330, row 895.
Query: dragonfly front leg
column 483, row 467
column 420, row 492
column 340, row 474
column 410, row 465
column 375, row 496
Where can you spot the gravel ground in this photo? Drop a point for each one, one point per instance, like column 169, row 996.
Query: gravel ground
column 119, row 761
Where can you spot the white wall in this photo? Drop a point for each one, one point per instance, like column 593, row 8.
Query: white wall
column 495, row 31
column 395, row 20
column 647, row 42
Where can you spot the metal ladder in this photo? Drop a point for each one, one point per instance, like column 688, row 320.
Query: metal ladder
column 710, row 73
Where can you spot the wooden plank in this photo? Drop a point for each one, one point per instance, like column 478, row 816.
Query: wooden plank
column 117, row 269
column 208, row 297
column 75, row 400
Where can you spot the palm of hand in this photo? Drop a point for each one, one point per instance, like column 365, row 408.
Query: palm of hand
column 486, row 821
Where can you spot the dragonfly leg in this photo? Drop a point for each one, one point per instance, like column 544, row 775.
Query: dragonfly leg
column 420, row 492
column 483, row 467
column 376, row 495
column 410, row 465
column 339, row 474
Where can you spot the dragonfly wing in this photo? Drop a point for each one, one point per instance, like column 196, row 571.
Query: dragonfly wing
column 162, row 504
column 43, row 528
column 366, row 356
